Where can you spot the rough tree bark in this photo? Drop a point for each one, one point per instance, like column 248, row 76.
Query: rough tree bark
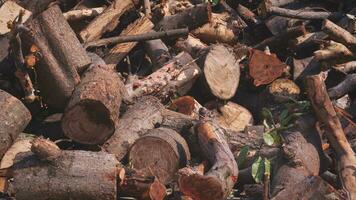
column 324, row 110
column 218, row 182
column 107, row 21
column 62, row 56
column 93, row 109
column 57, row 174
column 160, row 153
column 14, row 119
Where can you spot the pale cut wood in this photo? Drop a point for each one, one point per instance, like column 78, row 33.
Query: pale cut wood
column 324, row 110
column 8, row 12
column 74, row 15
column 107, row 21
column 160, row 152
column 234, row 117
column 282, row 90
column 119, row 51
column 222, row 71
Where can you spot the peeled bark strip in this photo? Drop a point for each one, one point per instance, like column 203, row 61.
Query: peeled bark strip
column 14, row 119
column 118, row 52
column 218, row 182
column 145, row 114
column 219, row 29
column 107, row 21
column 346, row 161
column 62, row 55
column 94, row 107
column 222, row 71
column 71, row 175
column 176, row 77
column 160, row 153
column 191, row 18
column 339, row 34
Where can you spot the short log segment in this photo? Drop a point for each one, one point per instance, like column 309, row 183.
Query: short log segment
column 70, row 175
column 145, row 114
column 234, row 117
column 107, row 21
column 176, row 77
column 160, row 153
column 339, row 34
column 222, row 71
column 218, row 182
column 62, row 56
column 14, row 119
column 94, row 107
column 324, row 110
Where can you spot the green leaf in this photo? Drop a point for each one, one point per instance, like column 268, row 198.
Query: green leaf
column 215, row 2
column 267, row 164
column 283, row 115
column 242, row 155
column 267, row 115
column 272, row 138
column 257, row 169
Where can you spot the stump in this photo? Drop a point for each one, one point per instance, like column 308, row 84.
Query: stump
column 94, row 107
column 160, row 152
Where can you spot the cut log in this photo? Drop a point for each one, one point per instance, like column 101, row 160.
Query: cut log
column 186, row 105
column 145, row 114
column 176, row 77
column 160, row 153
column 70, row 174
column 234, row 117
column 222, row 71
column 158, row 53
column 324, row 110
column 333, row 53
column 192, row 45
column 191, row 18
column 339, row 34
column 107, row 21
column 62, row 56
column 282, row 90
column 14, row 119
column 94, row 107
column 346, row 67
column 218, row 182
column 219, row 29
column 119, row 51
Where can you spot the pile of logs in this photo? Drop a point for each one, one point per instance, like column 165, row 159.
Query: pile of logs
column 177, row 99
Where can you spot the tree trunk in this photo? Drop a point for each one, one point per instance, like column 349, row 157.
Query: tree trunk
column 62, row 56
column 176, row 77
column 107, row 21
column 160, row 153
column 218, row 182
column 119, row 51
column 14, row 119
column 145, row 114
column 324, row 110
column 63, row 174
column 191, row 18
column 93, row 110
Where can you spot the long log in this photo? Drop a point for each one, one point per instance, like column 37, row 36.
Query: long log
column 324, row 110
column 218, row 182
column 339, row 34
column 14, row 119
column 160, row 153
column 107, row 21
column 62, row 56
column 93, row 109
column 58, row 174
column 344, row 87
column 176, row 77
column 119, row 51
column 146, row 113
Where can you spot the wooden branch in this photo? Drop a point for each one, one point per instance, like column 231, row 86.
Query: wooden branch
column 107, row 21
column 146, row 113
column 176, row 77
column 75, row 15
column 346, row 161
column 218, row 182
column 343, row 88
column 281, row 40
column 240, row 22
column 147, row 5
column 171, row 153
column 333, row 53
column 76, row 174
column 119, row 51
column 93, row 109
column 247, row 14
column 339, row 34
column 191, row 18
column 346, row 67
column 14, row 119
column 62, row 55
column 138, row 38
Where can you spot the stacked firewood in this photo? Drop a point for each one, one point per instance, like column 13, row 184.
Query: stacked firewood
column 177, row 99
